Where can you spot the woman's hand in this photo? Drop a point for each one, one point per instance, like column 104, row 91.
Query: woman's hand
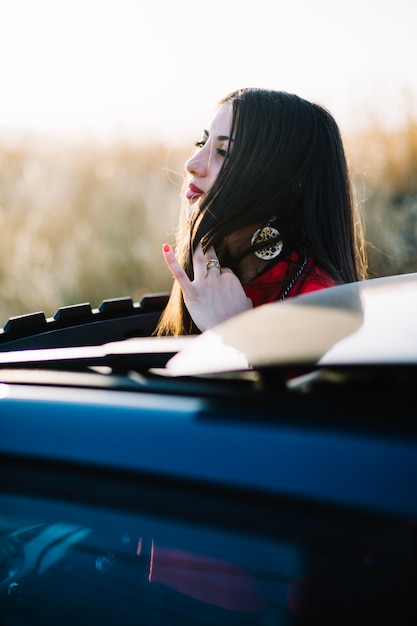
column 214, row 295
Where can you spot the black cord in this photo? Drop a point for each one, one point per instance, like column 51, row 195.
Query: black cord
column 296, row 276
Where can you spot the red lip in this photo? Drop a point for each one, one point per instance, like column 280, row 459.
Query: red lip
column 193, row 192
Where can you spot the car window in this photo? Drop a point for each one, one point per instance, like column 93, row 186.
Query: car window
column 75, row 564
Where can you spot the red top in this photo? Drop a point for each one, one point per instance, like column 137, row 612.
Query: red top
column 269, row 286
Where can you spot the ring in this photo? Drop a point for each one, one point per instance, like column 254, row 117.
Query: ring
column 212, row 263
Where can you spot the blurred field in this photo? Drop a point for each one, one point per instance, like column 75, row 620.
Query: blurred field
column 82, row 223
column 384, row 167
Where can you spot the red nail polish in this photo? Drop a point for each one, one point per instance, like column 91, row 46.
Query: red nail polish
column 166, row 247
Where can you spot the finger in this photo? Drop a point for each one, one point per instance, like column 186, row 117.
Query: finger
column 211, row 253
column 174, row 267
column 199, row 263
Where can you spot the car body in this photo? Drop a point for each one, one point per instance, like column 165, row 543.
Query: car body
column 263, row 472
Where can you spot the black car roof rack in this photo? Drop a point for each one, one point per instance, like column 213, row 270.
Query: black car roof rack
column 80, row 325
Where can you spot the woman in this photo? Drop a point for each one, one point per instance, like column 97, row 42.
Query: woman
column 268, row 212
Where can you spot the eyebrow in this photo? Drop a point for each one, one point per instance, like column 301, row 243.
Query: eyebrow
column 220, row 137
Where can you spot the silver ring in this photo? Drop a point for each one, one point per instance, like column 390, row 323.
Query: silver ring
column 212, row 263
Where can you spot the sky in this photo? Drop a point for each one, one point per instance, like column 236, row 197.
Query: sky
column 153, row 70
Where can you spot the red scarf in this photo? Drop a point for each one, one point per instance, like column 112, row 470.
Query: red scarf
column 271, row 284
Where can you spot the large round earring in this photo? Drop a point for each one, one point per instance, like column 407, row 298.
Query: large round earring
column 264, row 235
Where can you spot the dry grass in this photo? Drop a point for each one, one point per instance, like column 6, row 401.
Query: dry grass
column 385, row 174
column 82, row 223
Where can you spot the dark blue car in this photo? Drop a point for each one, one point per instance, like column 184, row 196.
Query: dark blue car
column 263, row 473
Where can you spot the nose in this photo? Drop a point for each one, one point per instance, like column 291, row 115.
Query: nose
column 197, row 165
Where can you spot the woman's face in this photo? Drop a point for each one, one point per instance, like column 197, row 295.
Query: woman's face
column 205, row 164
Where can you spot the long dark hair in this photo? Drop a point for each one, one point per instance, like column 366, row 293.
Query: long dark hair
column 287, row 161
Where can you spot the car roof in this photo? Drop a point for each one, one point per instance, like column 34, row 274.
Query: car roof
column 368, row 322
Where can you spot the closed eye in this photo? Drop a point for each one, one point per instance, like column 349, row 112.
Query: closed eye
column 220, row 151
